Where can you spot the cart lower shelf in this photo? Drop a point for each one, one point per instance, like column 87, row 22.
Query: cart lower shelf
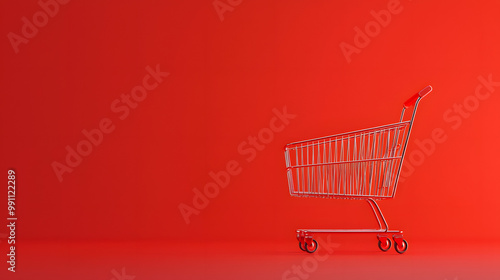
column 308, row 244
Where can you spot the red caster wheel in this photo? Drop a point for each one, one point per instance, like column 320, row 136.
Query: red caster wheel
column 386, row 245
column 300, row 246
column 311, row 248
column 401, row 249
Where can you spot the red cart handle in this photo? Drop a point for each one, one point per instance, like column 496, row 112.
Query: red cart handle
column 421, row 94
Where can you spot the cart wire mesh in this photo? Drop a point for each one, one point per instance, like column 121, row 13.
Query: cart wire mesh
column 356, row 165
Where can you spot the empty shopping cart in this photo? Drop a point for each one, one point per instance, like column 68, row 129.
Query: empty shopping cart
column 363, row 164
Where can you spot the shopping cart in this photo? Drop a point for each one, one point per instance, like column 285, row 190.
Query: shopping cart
column 363, row 164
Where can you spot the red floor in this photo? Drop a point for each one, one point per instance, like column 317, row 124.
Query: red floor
column 351, row 258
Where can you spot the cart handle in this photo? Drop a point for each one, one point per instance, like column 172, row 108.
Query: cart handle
column 421, row 94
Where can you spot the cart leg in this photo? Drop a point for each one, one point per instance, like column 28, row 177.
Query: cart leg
column 377, row 212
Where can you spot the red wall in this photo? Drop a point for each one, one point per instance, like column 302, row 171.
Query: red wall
column 227, row 81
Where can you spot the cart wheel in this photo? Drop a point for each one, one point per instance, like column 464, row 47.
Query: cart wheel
column 300, row 246
column 385, row 247
column 401, row 249
column 311, row 248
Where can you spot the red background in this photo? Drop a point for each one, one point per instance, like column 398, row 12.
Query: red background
column 226, row 77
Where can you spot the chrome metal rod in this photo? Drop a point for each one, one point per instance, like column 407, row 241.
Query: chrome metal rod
column 380, row 213
column 374, row 213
